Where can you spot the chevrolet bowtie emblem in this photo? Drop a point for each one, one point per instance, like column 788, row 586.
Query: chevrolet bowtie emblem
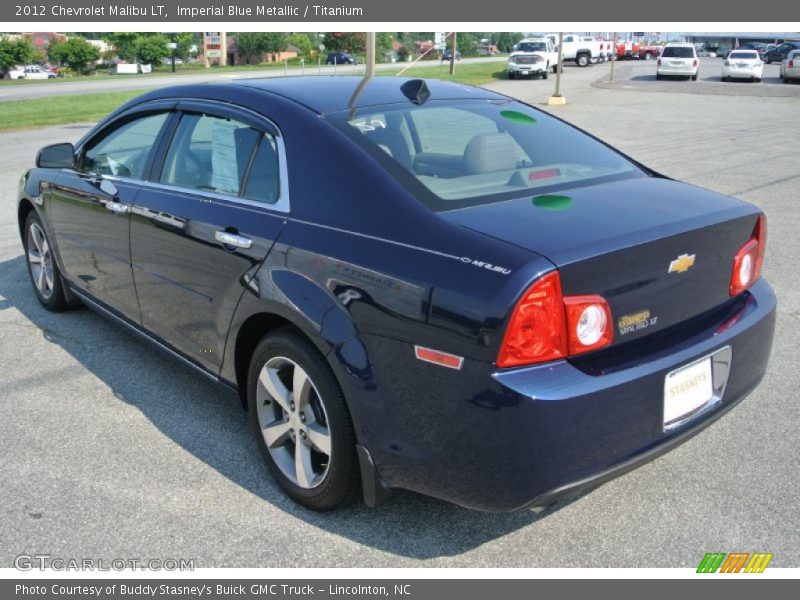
column 681, row 264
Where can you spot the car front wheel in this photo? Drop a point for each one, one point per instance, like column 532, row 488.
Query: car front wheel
column 302, row 423
column 42, row 268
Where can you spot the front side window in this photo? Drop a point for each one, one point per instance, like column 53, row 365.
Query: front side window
column 124, row 152
column 464, row 153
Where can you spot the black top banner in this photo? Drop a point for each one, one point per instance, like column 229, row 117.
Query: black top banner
column 322, row 11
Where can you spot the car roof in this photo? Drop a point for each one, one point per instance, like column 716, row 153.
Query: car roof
column 679, row 45
column 332, row 93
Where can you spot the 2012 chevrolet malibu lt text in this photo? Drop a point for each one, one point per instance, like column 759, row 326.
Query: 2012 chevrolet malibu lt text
column 411, row 284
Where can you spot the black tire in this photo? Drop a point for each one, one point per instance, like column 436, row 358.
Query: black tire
column 511, row 75
column 341, row 484
column 55, row 297
column 694, row 77
column 555, row 68
column 659, row 77
column 583, row 60
column 545, row 72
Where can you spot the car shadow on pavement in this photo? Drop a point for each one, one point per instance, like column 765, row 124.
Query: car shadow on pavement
column 208, row 422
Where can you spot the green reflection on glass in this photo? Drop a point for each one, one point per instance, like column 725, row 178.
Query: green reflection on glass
column 552, row 202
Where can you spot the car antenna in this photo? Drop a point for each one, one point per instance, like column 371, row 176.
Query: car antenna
column 416, row 90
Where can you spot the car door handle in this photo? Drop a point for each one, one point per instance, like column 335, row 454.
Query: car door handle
column 232, row 239
column 117, row 208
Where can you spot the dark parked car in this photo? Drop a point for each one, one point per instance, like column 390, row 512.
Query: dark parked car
column 488, row 305
column 760, row 47
column 341, row 58
column 448, row 53
column 779, row 53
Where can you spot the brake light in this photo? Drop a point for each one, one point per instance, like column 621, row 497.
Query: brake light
column 536, row 330
column 694, row 62
column 749, row 259
column 791, row 64
column 727, row 63
column 545, row 325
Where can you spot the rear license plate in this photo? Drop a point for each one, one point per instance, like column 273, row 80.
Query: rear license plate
column 686, row 390
column 677, row 63
column 741, row 65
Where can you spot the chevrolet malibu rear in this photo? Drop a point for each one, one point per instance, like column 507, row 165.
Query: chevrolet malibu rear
column 488, row 306
column 613, row 314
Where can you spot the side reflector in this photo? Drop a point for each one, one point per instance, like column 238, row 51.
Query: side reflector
column 443, row 359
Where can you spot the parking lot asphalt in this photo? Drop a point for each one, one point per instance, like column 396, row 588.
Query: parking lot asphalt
column 108, row 449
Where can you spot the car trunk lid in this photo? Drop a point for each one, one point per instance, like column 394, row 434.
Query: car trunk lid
column 659, row 251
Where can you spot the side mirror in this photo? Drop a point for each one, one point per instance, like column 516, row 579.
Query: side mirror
column 56, row 156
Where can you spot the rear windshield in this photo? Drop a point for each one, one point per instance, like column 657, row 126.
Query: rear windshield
column 678, row 52
column 453, row 154
column 532, row 47
column 740, row 54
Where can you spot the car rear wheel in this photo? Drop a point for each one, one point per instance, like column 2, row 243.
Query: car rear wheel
column 583, row 60
column 301, row 422
column 45, row 276
column 555, row 68
column 694, row 77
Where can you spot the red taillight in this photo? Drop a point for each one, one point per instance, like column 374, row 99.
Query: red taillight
column 749, row 259
column 694, row 62
column 791, row 64
column 536, row 330
column 546, row 326
column 589, row 323
column 658, row 62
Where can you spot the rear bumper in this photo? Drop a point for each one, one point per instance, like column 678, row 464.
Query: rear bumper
column 502, row 440
column 743, row 73
column 677, row 71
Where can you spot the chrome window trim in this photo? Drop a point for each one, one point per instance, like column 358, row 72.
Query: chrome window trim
column 281, row 205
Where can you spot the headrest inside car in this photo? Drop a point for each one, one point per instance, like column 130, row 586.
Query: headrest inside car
column 487, row 152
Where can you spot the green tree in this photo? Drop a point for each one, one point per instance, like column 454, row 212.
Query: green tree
column 505, row 40
column 274, row 42
column 123, row 43
column 76, row 53
column 301, row 42
column 251, row 44
column 15, row 52
column 151, row 49
column 338, row 41
column 185, row 42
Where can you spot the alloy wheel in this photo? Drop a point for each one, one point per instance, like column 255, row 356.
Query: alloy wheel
column 40, row 260
column 293, row 422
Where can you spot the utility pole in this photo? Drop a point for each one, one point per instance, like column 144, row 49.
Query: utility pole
column 370, row 59
column 557, row 99
column 453, row 53
column 613, row 56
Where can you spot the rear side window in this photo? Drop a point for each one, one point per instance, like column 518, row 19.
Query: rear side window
column 124, row 151
column 209, row 153
column 678, row 52
column 263, row 180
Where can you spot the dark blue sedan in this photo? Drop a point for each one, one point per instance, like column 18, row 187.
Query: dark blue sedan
column 486, row 305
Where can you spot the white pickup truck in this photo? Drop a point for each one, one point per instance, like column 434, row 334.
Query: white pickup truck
column 584, row 50
column 532, row 57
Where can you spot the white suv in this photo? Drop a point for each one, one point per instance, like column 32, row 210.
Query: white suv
column 678, row 60
column 532, row 57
